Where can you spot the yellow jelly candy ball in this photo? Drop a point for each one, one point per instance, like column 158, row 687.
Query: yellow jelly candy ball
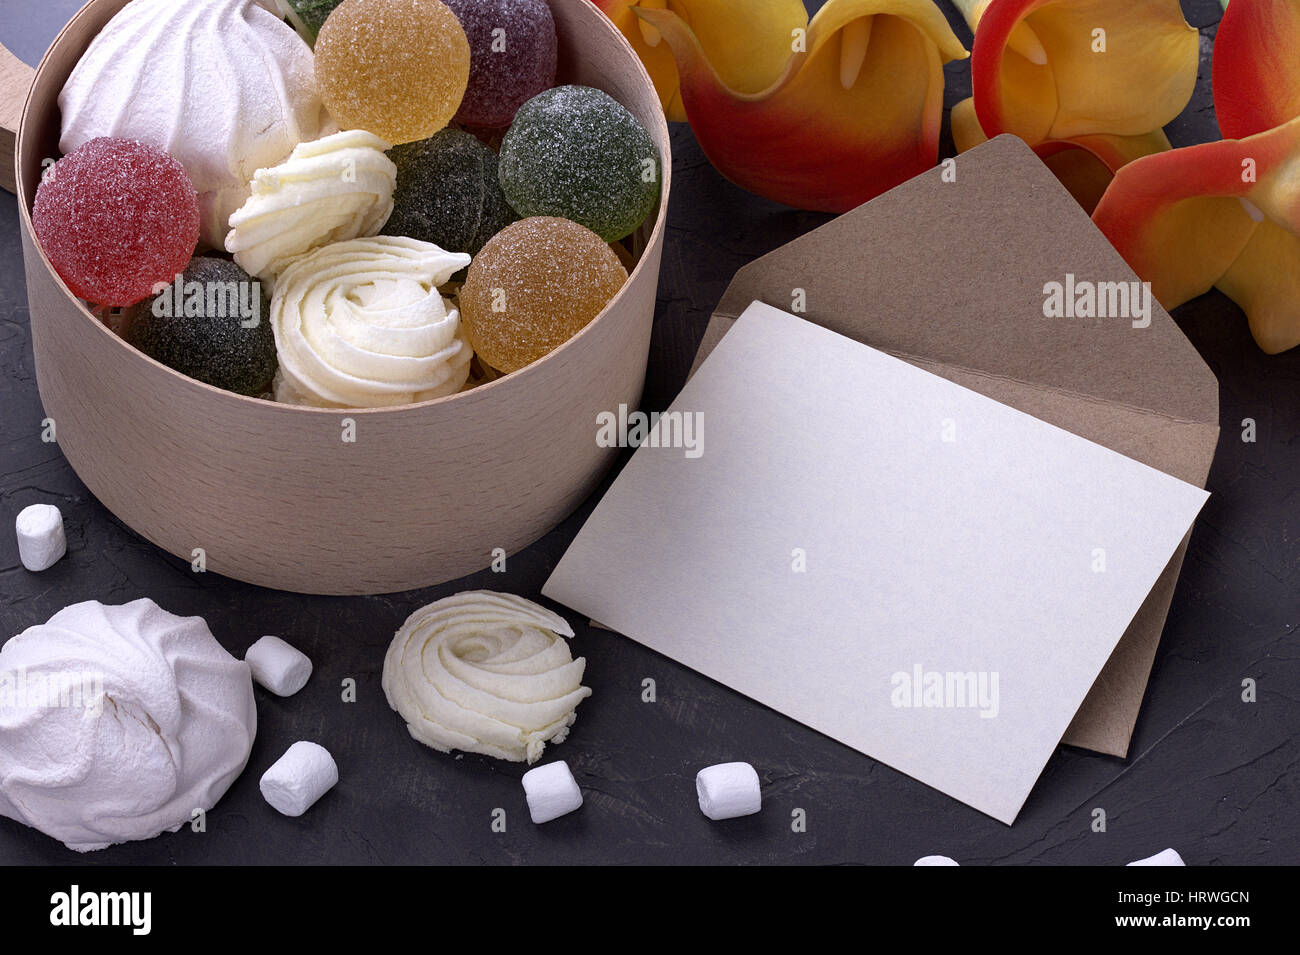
column 397, row 68
column 535, row 285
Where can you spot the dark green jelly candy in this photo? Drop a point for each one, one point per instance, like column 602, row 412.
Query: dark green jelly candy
column 576, row 153
column 307, row 16
column 448, row 192
column 213, row 323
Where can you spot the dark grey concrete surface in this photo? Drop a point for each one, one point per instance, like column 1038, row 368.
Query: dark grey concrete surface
column 1208, row 774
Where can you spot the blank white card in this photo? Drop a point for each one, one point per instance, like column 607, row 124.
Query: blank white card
column 924, row 574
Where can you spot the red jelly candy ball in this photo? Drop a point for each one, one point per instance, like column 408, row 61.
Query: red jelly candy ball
column 116, row 217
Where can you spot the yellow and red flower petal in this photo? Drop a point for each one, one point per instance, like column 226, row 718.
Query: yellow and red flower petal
column 1085, row 166
column 1265, row 282
column 1061, row 69
column 854, row 114
column 1224, row 213
column 747, row 41
column 1257, row 66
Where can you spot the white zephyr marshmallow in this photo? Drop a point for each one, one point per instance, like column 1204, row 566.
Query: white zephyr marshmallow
column 336, row 188
column 487, row 673
column 728, row 790
column 302, row 775
column 41, row 540
column 225, row 87
column 551, row 791
column 1166, row 857
column 161, row 722
column 935, row 860
column 281, row 668
column 361, row 324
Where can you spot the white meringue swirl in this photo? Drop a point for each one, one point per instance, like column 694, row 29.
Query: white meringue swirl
column 361, row 324
column 485, row 672
column 224, row 86
column 333, row 189
column 168, row 731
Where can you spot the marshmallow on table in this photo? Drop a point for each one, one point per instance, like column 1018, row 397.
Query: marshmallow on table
column 935, row 860
column 298, row 778
column 728, row 790
column 1166, row 857
column 282, row 669
column 41, row 541
column 551, row 791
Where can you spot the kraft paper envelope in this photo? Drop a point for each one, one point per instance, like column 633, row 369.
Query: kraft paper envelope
column 949, row 276
column 910, row 567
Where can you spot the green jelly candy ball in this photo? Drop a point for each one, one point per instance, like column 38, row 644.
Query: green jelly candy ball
column 576, row 153
column 307, row 16
column 448, row 192
column 213, row 323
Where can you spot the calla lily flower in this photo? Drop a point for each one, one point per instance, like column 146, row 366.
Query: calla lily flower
column 1257, row 66
column 1060, row 69
column 1085, row 165
column 855, row 111
column 1223, row 214
column 1089, row 84
column 747, row 41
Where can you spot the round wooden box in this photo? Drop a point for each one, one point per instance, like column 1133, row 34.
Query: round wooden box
column 277, row 495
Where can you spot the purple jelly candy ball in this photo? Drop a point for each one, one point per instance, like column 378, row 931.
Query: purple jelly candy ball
column 512, row 57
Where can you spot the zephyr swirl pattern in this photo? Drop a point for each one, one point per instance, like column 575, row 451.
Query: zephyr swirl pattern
column 223, row 86
column 170, row 732
column 485, row 673
column 361, row 324
column 333, row 189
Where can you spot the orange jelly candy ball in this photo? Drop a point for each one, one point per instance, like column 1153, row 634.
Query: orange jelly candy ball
column 534, row 286
column 397, row 68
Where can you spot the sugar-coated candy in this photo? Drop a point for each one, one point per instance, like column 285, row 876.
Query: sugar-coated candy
column 575, row 152
column 307, row 16
column 534, row 286
column 115, row 217
column 448, row 192
column 513, row 53
column 397, row 68
column 212, row 323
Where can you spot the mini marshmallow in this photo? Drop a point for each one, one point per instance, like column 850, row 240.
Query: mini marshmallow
column 728, row 790
column 300, row 777
column 41, row 540
column 281, row 668
column 935, row 860
column 551, row 791
column 1166, row 857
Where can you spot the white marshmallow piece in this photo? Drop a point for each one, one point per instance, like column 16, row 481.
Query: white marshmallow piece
column 551, row 791
column 935, row 860
column 1166, row 857
column 41, row 540
column 298, row 778
column 281, row 668
column 728, row 790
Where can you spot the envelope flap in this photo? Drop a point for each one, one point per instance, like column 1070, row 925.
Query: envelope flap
column 959, row 273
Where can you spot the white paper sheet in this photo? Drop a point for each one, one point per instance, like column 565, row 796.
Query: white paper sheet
column 924, row 574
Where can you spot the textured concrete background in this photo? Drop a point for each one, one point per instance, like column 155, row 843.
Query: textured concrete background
column 1208, row 774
